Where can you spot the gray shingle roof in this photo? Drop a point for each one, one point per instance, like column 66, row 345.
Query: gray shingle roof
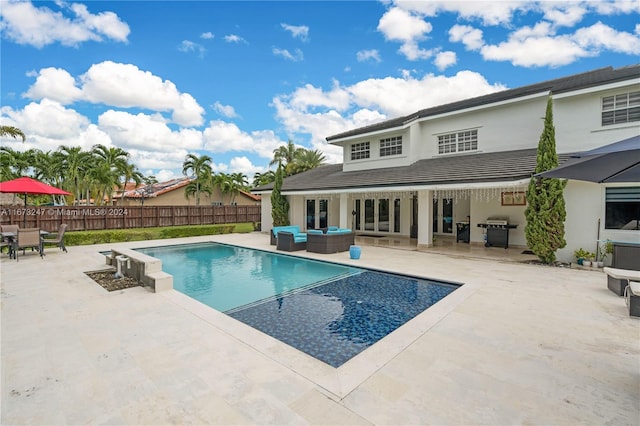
column 473, row 168
column 559, row 85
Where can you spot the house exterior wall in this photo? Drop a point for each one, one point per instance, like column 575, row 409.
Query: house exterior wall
column 495, row 133
column 177, row 198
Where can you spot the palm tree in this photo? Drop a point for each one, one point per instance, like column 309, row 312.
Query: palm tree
column 231, row 184
column 130, row 172
column 75, row 166
column 265, row 178
column 285, row 155
column 201, row 170
column 14, row 132
column 307, row 159
column 111, row 164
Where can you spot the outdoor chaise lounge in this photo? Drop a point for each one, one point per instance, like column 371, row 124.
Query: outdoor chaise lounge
column 631, row 289
column 288, row 241
column 58, row 238
column 334, row 240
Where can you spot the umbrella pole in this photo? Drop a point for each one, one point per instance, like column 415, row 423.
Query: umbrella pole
column 24, row 220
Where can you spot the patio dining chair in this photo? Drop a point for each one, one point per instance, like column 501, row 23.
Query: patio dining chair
column 58, row 238
column 28, row 238
column 8, row 241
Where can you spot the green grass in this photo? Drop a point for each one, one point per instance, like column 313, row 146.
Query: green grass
column 78, row 238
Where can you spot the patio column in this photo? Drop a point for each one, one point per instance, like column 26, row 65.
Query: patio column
column 425, row 219
column 345, row 212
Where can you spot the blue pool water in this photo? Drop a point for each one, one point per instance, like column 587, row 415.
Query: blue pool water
column 331, row 312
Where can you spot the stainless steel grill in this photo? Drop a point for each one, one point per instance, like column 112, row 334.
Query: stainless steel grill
column 497, row 231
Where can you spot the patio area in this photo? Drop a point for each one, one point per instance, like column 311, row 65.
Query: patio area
column 517, row 344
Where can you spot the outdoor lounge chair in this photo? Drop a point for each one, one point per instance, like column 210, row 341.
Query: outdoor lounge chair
column 28, row 238
column 288, row 241
column 58, row 238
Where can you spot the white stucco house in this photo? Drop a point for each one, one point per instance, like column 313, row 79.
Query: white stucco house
column 420, row 175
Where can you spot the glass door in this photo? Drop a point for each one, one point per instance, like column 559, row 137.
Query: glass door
column 311, row 214
column 447, row 216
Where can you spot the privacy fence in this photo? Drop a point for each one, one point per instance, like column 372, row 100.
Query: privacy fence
column 85, row 218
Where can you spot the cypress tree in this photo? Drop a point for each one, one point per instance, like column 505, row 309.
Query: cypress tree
column 545, row 211
column 279, row 203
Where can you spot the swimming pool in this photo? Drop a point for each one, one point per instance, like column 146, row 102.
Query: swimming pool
column 329, row 311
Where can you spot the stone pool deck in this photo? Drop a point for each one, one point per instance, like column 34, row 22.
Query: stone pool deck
column 518, row 344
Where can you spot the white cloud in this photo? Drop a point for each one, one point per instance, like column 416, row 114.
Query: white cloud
column 565, row 14
column 371, row 54
column 600, row 36
column 163, row 165
column 48, row 118
column 297, row 31
column 48, row 124
column 488, row 12
column 225, row 110
column 401, row 25
column 469, row 36
column 444, row 60
column 146, row 132
column 232, row 38
column 25, row 24
column 126, row 86
column 55, row 84
column 120, row 85
column 245, row 166
column 310, row 97
column 540, row 46
column 207, row 36
column 535, row 52
column 221, row 136
column 190, row 46
column 297, row 56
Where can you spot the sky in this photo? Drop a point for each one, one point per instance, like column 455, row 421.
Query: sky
column 236, row 79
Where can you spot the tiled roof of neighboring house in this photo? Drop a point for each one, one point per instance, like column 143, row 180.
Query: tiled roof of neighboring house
column 160, row 188
column 559, row 85
column 155, row 189
column 487, row 167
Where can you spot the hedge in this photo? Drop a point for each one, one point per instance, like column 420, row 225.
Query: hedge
column 77, row 238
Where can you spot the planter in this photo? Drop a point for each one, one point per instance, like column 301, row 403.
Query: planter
column 586, row 263
column 600, row 264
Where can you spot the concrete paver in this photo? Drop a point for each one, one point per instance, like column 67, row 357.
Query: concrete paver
column 520, row 344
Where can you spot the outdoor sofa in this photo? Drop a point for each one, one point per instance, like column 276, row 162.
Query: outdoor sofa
column 288, row 241
column 333, row 240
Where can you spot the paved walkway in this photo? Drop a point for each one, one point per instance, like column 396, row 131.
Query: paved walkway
column 518, row 344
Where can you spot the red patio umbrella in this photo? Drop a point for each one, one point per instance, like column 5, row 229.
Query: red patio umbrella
column 26, row 185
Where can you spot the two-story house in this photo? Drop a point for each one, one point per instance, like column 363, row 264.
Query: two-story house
column 419, row 175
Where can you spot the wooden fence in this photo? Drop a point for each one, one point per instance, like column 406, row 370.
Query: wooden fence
column 85, row 218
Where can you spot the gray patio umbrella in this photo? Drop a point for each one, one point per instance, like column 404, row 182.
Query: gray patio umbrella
column 617, row 162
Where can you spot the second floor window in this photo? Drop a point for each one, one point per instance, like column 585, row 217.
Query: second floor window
column 458, row 142
column 623, row 108
column 391, row 146
column 360, row 150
